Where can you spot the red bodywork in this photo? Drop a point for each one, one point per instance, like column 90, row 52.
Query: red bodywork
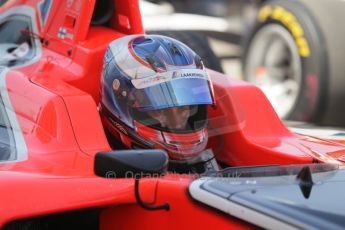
column 55, row 101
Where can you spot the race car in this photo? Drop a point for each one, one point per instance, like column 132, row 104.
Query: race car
column 57, row 168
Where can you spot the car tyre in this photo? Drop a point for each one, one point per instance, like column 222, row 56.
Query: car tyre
column 285, row 54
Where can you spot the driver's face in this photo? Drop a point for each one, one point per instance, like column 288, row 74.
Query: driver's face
column 172, row 118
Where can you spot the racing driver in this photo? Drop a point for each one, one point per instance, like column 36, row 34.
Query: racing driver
column 155, row 93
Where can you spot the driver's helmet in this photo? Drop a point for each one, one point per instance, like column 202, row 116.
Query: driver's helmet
column 154, row 94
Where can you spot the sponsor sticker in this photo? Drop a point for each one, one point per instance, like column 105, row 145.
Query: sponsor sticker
column 44, row 7
column 290, row 21
column 159, row 78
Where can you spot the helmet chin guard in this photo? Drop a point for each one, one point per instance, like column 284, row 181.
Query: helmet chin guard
column 180, row 146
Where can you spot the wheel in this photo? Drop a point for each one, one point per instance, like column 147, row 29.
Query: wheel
column 285, row 55
column 198, row 44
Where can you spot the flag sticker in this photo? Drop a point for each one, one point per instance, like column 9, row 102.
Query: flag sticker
column 62, row 33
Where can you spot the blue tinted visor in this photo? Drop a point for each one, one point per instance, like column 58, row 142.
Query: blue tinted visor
column 176, row 92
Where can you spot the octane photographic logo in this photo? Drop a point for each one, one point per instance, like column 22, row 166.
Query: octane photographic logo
column 234, row 177
column 110, row 175
column 130, row 175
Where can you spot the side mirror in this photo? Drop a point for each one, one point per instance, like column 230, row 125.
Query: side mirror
column 131, row 163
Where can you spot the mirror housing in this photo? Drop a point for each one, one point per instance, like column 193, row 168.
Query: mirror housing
column 131, row 163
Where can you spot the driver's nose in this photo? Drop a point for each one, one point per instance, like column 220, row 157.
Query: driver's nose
column 177, row 117
column 172, row 118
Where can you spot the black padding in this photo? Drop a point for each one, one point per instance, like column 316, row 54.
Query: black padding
column 103, row 12
column 131, row 163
